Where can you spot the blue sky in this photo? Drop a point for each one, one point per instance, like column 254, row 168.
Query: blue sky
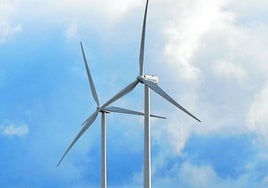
column 211, row 56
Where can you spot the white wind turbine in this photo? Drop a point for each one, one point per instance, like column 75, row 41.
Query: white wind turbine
column 150, row 82
column 104, row 109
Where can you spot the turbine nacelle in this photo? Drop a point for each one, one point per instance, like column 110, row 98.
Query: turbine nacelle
column 150, row 78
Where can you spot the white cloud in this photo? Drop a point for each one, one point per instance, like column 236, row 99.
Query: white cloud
column 6, row 31
column 187, row 28
column 251, row 11
column 176, row 135
column 225, row 49
column 197, row 176
column 14, row 130
column 72, row 14
column 191, row 175
column 257, row 116
column 7, row 28
column 107, row 9
column 229, row 70
column 72, row 32
column 170, row 138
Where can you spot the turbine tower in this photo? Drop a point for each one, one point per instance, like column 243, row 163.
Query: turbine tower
column 150, row 83
column 104, row 109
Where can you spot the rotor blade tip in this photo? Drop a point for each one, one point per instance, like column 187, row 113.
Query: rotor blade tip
column 59, row 163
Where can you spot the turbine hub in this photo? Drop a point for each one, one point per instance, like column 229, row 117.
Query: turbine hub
column 101, row 109
column 151, row 78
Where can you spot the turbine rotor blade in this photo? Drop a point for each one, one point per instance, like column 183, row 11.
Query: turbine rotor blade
column 143, row 40
column 162, row 93
column 90, row 80
column 127, row 111
column 121, row 93
column 87, row 124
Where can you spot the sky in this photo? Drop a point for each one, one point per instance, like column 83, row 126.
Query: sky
column 210, row 56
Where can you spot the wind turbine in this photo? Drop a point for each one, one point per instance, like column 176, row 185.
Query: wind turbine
column 150, row 83
column 104, row 109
